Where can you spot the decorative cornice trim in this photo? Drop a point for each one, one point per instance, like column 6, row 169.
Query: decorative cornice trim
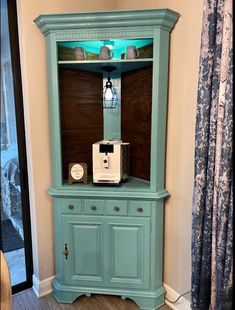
column 59, row 23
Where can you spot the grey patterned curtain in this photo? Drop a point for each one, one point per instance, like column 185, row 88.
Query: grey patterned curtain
column 212, row 261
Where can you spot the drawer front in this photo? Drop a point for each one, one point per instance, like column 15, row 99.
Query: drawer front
column 116, row 207
column 140, row 208
column 73, row 206
column 93, row 206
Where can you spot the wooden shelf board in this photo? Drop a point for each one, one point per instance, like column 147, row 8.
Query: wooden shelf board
column 133, row 188
column 123, row 65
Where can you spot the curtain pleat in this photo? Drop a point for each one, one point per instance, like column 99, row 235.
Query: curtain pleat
column 213, row 200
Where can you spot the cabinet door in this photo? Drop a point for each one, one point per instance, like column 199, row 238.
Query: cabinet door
column 128, row 256
column 84, row 239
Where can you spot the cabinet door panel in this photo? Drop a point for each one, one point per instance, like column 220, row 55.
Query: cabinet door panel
column 84, row 240
column 128, row 247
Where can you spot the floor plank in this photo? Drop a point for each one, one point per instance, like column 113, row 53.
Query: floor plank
column 27, row 300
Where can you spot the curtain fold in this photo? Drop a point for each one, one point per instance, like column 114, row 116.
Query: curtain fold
column 212, row 222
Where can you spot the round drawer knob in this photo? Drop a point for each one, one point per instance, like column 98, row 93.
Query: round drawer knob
column 93, row 208
column 116, row 209
column 71, row 207
column 140, row 210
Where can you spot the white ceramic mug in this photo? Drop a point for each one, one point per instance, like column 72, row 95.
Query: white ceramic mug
column 105, row 53
column 131, row 52
column 80, row 53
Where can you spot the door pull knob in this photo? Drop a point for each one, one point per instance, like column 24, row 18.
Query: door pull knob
column 66, row 252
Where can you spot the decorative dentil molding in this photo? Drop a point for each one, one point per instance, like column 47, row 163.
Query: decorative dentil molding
column 89, row 35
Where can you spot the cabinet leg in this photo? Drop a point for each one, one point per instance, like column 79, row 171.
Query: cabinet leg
column 149, row 302
column 88, row 295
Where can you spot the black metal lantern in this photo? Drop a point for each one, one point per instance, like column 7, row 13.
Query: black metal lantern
column 109, row 95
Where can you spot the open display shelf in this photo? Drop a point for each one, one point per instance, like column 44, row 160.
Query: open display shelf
column 97, row 65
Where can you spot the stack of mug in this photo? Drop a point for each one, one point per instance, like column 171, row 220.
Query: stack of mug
column 105, row 53
column 80, row 53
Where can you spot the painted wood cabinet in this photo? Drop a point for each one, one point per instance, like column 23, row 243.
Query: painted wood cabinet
column 109, row 240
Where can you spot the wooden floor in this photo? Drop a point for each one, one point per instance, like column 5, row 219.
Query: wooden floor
column 27, row 300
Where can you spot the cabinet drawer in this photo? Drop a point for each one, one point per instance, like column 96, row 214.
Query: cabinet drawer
column 71, row 206
column 92, row 206
column 116, row 207
column 140, row 208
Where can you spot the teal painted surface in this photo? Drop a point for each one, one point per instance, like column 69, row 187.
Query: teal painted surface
column 116, row 207
column 128, row 259
column 117, row 247
column 54, row 111
column 95, row 242
column 159, row 108
column 156, row 246
column 137, row 194
column 84, row 238
column 119, row 20
column 147, row 300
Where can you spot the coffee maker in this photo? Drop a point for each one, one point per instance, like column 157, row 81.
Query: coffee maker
column 110, row 159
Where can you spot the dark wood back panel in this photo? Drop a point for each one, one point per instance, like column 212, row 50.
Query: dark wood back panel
column 81, row 115
column 136, row 104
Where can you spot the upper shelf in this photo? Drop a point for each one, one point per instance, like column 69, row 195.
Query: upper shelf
column 115, row 49
column 121, row 66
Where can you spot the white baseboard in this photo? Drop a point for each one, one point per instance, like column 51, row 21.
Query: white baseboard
column 181, row 304
column 44, row 287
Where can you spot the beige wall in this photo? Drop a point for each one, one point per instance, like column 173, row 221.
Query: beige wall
column 184, row 64
column 185, row 45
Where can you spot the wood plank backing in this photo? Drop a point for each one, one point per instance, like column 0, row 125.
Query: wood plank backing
column 136, row 103
column 81, row 115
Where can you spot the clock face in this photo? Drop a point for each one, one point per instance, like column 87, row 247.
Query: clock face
column 77, row 172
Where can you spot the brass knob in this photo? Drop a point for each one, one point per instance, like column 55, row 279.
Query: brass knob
column 93, row 208
column 66, row 252
column 140, row 209
column 71, row 207
column 116, row 209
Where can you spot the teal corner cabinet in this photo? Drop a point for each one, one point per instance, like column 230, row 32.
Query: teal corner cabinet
column 108, row 240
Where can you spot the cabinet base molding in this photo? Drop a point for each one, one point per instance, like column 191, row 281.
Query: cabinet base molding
column 146, row 300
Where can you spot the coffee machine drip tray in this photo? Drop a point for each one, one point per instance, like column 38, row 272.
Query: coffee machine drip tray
column 107, row 182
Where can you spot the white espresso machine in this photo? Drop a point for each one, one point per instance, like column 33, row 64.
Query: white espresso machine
column 110, row 160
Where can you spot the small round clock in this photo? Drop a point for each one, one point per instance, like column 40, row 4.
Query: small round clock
column 77, row 173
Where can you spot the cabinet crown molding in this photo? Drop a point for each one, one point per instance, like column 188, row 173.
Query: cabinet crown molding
column 153, row 18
